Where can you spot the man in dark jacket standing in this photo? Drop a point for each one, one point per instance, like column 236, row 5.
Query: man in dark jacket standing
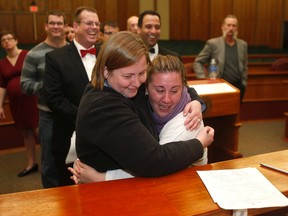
column 68, row 71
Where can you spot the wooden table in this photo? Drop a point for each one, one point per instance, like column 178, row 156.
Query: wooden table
column 222, row 114
column 181, row 193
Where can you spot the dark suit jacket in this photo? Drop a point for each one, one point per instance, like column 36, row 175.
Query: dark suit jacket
column 65, row 80
column 164, row 51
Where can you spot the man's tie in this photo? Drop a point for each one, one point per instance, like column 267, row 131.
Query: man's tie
column 152, row 50
column 91, row 51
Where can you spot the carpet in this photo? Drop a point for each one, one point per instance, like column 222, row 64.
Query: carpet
column 262, row 137
column 10, row 165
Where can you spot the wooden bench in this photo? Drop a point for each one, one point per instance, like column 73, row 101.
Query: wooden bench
column 252, row 58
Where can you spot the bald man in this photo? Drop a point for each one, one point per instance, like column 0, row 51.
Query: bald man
column 132, row 23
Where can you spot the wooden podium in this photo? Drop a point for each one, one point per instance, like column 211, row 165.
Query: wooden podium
column 222, row 113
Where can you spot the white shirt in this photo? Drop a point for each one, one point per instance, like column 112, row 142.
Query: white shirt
column 88, row 60
column 153, row 55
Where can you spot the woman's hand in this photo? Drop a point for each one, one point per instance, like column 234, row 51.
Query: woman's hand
column 82, row 173
column 206, row 136
column 194, row 115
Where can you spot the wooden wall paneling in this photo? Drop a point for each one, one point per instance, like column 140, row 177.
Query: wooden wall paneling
column 107, row 10
column 9, row 5
column 126, row 9
column 163, row 7
column 219, row 9
column 24, row 27
column 179, row 20
column 41, row 19
column 69, row 18
column 132, row 8
column 285, row 9
column 111, row 8
column 89, row 3
column 199, row 20
column 260, row 21
column 77, row 3
column 7, row 21
column 276, row 35
column 63, row 5
column 245, row 10
column 276, row 23
column 99, row 6
column 269, row 17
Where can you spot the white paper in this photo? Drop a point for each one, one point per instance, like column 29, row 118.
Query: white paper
column 241, row 189
column 213, row 88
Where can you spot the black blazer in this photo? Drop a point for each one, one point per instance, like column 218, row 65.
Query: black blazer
column 164, row 51
column 65, row 80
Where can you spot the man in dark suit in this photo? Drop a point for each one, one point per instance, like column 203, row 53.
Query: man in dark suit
column 149, row 28
column 67, row 72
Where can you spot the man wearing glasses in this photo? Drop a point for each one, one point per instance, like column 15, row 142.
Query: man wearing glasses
column 106, row 30
column 68, row 70
column 31, row 82
column 110, row 27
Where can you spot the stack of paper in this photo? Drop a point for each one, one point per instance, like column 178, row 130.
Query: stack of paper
column 241, row 189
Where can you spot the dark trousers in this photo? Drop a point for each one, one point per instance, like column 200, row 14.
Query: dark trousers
column 62, row 169
column 241, row 88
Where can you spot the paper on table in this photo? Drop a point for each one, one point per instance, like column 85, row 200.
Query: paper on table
column 213, row 88
column 241, row 189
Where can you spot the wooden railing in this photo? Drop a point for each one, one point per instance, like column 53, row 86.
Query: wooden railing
column 266, row 95
column 252, row 58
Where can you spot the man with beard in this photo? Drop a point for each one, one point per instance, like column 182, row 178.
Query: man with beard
column 230, row 53
column 68, row 71
column 149, row 29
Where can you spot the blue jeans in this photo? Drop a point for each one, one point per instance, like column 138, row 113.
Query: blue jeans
column 48, row 167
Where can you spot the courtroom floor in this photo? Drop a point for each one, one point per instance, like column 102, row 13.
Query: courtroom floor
column 254, row 138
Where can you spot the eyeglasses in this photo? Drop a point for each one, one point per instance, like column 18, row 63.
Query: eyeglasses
column 55, row 23
column 7, row 39
column 108, row 33
column 91, row 23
